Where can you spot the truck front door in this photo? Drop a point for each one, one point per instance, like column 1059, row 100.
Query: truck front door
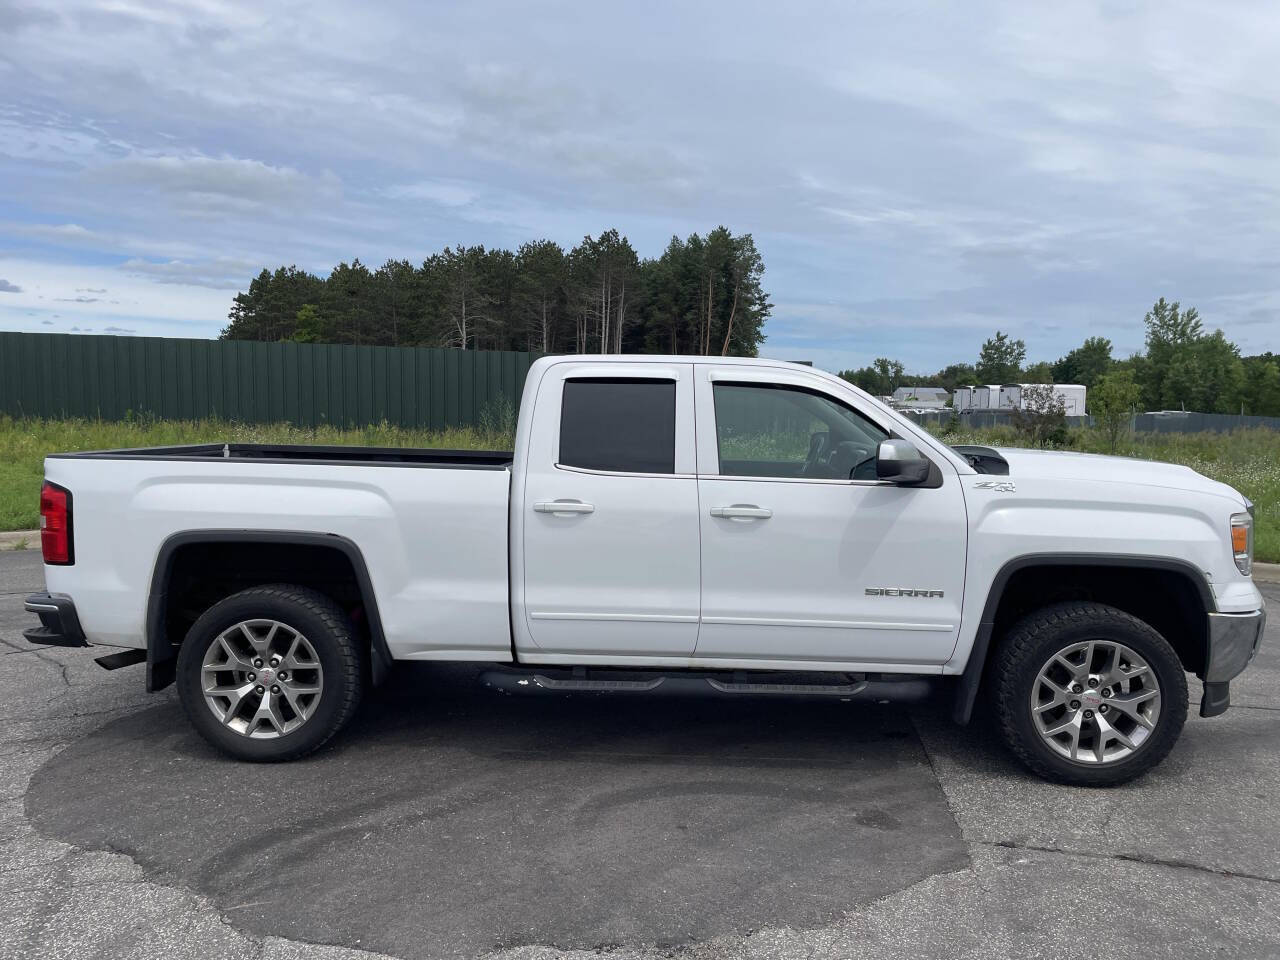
column 806, row 556
column 609, row 523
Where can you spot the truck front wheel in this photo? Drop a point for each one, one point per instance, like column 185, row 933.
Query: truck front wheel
column 1088, row 694
column 270, row 673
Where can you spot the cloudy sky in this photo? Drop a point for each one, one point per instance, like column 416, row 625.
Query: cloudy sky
column 915, row 175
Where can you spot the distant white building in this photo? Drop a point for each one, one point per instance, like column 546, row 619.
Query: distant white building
column 986, row 397
column 1072, row 394
column 922, row 395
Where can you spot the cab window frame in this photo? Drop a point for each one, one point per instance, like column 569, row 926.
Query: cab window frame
column 856, row 415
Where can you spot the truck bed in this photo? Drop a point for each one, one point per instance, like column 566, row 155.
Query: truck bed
column 307, row 453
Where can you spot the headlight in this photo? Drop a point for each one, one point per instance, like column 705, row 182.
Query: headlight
column 1242, row 541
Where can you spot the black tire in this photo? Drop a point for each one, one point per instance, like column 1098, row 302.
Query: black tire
column 1029, row 646
column 329, row 633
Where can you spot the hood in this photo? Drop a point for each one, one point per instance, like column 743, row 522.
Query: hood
column 1067, row 465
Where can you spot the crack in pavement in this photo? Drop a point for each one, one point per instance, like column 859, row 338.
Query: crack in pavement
column 68, row 716
column 1111, row 812
column 41, row 655
column 1128, row 858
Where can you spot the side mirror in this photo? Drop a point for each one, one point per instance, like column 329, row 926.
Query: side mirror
column 899, row 462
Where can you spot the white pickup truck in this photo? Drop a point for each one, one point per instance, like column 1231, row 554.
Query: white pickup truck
column 742, row 527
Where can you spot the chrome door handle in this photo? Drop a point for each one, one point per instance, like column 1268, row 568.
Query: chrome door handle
column 563, row 507
column 742, row 511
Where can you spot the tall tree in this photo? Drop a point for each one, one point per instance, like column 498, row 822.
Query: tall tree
column 347, row 302
column 1000, row 360
column 543, row 278
column 1262, row 385
column 606, row 270
column 1112, row 402
column 1039, row 372
column 395, row 302
column 269, row 309
column 467, row 303
column 1185, row 368
column 1085, row 364
column 1171, row 337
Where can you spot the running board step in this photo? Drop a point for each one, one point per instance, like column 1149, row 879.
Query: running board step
column 527, row 681
column 793, row 689
column 125, row 658
column 578, row 683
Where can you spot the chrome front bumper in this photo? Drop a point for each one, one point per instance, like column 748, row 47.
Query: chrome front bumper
column 1233, row 643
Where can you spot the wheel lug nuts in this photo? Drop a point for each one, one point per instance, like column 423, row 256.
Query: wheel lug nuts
column 1106, row 691
column 275, row 661
column 1076, row 688
column 1093, row 682
column 252, row 677
column 258, row 689
column 1103, row 709
column 258, row 663
column 1088, row 714
column 275, row 689
column 283, row 675
column 1075, row 704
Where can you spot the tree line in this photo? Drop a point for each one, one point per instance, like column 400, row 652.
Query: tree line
column 1183, row 367
column 702, row 295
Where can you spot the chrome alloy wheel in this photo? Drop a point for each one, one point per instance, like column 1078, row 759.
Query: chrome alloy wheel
column 1095, row 702
column 261, row 678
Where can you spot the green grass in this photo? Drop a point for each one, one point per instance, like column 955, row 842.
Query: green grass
column 1248, row 460
column 24, row 444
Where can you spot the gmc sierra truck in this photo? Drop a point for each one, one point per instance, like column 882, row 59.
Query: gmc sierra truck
column 738, row 527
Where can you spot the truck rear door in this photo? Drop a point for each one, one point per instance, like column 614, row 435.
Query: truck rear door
column 609, row 518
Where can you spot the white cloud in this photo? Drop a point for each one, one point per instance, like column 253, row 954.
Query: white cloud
column 446, row 193
column 218, row 180
column 907, row 168
column 222, row 273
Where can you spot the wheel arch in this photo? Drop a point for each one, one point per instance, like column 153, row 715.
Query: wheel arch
column 162, row 647
column 1106, row 574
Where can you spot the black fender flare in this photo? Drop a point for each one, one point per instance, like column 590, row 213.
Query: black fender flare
column 161, row 656
column 971, row 679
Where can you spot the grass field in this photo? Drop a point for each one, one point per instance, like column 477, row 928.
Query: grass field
column 24, row 444
column 1248, row 460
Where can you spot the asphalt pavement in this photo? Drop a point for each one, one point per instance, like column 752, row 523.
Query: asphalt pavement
column 453, row 821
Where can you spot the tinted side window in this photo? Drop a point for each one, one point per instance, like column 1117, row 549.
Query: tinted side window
column 766, row 430
column 627, row 426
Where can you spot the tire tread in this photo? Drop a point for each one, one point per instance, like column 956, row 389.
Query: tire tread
column 1033, row 632
column 350, row 653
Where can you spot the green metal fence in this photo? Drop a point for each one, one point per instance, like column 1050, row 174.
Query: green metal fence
column 112, row 378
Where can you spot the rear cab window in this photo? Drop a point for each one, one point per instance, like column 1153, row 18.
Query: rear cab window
column 618, row 425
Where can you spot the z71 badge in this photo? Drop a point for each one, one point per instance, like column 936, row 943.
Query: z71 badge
column 999, row 486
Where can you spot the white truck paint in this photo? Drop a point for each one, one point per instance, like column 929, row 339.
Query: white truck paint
column 727, row 555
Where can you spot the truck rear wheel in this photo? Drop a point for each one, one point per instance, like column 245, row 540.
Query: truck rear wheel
column 270, row 673
column 1089, row 695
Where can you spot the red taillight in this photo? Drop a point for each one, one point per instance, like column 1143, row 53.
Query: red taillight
column 55, row 524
